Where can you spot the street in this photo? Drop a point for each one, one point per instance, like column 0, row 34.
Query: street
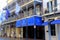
column 9, row 38
column 15, row 39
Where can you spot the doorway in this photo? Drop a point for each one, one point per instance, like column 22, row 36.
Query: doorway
column 40, row 32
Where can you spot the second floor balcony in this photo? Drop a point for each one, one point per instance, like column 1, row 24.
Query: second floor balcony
column 55, row 10
column 21, row 3
column 26, row 13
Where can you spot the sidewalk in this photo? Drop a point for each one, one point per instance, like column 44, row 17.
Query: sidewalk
column 4, row 38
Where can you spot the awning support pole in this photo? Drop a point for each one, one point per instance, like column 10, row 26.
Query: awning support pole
column 26, row 33
column 34, row 32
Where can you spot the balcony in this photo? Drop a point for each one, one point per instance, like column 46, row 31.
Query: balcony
column 11, row 6
column 30, row 11
column 56, row 10
column 25, row 2
column 9, row 20
column 39, row 0
column 21, row 3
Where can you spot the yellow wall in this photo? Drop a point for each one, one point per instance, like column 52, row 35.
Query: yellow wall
column 12, row 32
column 18, row 31
column 8, row 32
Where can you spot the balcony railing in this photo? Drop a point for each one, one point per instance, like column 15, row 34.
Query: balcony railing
column 24, row 2
column 24, row 14
column 10, row 19
column 58, row 8
column 55, row 9
column 21, row 3
column 13, row 7
column 38, row 0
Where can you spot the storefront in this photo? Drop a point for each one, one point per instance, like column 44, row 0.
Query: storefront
column 32, row 27
column 40, row 32
column 52, row 27
column 9, row 30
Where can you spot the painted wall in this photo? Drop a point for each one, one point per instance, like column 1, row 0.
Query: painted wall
column 47, row 36
column 46, row 33
column 18, row 32
column 58, row 31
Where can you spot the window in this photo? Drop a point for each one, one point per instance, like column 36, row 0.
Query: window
column 55, row 5
column 38, row 10
column 53, row 32
column 22, row 2
column 21, row 14
column 52, row 28
column 25, row 14
column 18, row 1
column 55, row 2
column 31, row 11
column 49, row 6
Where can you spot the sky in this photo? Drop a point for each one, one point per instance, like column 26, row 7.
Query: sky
column 2, row 4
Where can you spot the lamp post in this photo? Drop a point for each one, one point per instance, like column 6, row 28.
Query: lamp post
column 26, row 24
column 34, row 21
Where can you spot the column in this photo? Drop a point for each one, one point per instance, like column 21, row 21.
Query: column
column 47, row 31
column 34, row 32
column 10, row 31
column 34, row 7
column 18, row 32
column 26, row 32
column 21, row 33
column 6, row 30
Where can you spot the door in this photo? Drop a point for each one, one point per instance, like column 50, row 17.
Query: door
column 40, row 33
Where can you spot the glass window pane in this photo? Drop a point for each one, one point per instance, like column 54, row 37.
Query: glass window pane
column 53, row 32
column 30, row 11
column 38, row 10
column 25, row 14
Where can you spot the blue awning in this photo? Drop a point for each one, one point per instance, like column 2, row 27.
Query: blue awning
column 45, row 23
column 24, row 22
column 35, row 20
column 38, row 21
column 55, row 22
column 31, row 21
column 18, row 23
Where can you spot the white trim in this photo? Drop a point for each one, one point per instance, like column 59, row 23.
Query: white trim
column 47, row 14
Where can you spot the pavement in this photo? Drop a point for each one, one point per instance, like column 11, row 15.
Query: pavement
column 15, row 39
column 9, row 38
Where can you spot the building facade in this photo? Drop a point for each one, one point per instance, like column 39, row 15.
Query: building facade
column 51, row 14
column 33, row 20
